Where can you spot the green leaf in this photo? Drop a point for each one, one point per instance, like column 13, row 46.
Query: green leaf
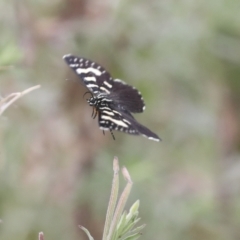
column 133, row 236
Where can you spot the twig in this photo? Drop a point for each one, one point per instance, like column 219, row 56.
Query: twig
column 7, row 101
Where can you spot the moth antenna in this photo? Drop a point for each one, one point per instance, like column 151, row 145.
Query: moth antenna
column 87, row 93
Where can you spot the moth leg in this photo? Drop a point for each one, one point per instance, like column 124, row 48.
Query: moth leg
column 95, row 114
column 112, row 134
column 92, row 112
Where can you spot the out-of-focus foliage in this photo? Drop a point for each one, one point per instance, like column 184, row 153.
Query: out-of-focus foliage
column 55, row 164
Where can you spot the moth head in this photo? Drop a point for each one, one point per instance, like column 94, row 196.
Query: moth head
column 92, row 101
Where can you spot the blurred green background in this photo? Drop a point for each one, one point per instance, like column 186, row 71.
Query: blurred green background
column 55, row 163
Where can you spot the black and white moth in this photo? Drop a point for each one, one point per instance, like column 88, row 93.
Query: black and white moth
column 112, row 99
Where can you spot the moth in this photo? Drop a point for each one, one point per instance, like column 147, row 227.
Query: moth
column 113, row 100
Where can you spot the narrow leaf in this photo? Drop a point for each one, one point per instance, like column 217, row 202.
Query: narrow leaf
column 113, row 198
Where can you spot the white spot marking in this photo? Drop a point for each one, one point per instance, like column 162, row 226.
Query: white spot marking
column 107, row 84
column 105, row 108
column 92, row 86
column 107, row 100
column 118, row 122
column 154, row 139
column 117, row 112
column 67, row 55
column 151, row 138
column 120, row 81
column 108, row 113
column 103, row 128
column 74, row 65
column 104, row 89
column 87, row 70
column 126, row 121
column 101, row 95
column 90, row 79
